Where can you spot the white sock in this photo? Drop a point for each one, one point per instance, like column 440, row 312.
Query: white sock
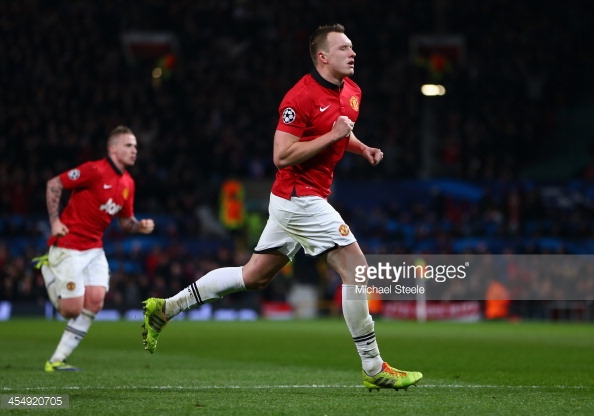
column 76, row 329
column 50, row 285
column 360, row 323
column 209, row 288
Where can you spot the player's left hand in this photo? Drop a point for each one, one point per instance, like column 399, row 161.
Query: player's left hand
column 373, row 155
column 146, row 226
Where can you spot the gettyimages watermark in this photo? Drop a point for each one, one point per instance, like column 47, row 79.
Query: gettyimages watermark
column 477, row 277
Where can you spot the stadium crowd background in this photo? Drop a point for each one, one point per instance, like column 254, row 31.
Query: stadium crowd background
column 67, row 80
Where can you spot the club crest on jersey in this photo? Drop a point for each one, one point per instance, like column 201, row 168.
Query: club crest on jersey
column 125, row 193
column 354, row 102
column 288, row 115
column 343, row 230
column 74, row 174
column 71, row 286
column 110, row 207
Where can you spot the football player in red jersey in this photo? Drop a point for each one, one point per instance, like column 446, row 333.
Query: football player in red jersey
column 75, row 271
column 315, row 128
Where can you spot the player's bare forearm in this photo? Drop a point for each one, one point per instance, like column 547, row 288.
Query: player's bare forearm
column 355, row 146
column 371, row 154
column 132, row 225
column 289, row 150
column 53, row 193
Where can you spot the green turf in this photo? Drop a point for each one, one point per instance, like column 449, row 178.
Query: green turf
column 306, row 368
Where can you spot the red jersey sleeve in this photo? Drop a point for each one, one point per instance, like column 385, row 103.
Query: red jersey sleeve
column 294, row 112
column 81, row 176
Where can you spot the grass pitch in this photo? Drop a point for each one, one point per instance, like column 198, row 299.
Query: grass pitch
column 305, row 368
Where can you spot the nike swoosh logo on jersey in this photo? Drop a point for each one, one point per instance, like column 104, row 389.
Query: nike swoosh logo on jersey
column 322, row 109
column 106, row 186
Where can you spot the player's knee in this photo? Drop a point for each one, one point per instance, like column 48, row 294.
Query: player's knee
column 257, row 284
column 69, row 313
column 70, row 307
column 260, row 270
column 254, row 278
column 94, row 307
column 94, row 304
column 94, row 299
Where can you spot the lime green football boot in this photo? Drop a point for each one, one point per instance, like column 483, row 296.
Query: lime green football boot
column 39, row 262
column 154, row 322
column 391, row 378
column 59, row 366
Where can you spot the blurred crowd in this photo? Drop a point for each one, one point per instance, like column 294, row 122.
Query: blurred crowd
column 68, row 78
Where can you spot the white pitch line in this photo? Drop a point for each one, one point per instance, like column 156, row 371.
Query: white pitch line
column 296, row 386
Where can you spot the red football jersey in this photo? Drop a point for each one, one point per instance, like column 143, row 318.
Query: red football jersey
column 309, row 110
column 99, row 193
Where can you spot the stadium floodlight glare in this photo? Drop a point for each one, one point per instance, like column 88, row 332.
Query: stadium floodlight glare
column 432, row 90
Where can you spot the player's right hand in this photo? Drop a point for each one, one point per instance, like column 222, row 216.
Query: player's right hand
column 342, row 127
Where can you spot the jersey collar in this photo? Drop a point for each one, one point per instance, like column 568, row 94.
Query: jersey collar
column 119, row 172
column 323, row 82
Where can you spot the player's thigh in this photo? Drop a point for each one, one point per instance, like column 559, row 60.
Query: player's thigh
column 345, row 261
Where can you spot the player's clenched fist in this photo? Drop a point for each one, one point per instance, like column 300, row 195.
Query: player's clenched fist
column 146, row 226
column 343, row 127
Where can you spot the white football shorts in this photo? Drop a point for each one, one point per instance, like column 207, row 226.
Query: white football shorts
column 308, row 221
column 76, row 269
